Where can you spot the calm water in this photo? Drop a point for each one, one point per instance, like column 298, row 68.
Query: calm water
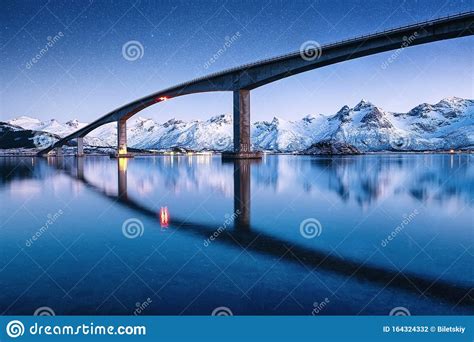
column 291, row 235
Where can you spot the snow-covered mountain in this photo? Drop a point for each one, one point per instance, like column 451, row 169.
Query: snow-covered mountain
column 445, row 125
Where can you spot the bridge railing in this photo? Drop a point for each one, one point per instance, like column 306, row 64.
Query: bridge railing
column 325, row 46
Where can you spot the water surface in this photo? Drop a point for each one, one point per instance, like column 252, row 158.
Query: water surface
column 290, row 235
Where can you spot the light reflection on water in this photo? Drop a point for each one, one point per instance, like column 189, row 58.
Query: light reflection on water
column 257, row 262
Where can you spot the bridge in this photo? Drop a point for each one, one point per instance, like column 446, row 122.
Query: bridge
column 241, row 80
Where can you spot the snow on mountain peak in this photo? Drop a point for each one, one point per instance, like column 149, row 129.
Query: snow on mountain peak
column 74, row 123
column 25, row 122
column 363, row 104
column 221, row 119
column 453, row 100
column 445, row 125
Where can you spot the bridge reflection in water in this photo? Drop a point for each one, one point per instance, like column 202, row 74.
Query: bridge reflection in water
column 255, row 240
column 122, row 164
column 242, row 193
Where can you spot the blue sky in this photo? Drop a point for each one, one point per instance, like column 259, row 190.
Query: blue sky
column 84, row 74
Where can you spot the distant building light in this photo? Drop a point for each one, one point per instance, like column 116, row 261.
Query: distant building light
column 164, row 217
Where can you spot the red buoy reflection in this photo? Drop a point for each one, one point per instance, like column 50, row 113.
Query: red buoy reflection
column 164, row 217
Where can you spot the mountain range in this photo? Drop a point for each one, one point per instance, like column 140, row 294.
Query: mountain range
column 448, row 124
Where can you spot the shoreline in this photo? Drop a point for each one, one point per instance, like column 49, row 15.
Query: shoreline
column 211, row 153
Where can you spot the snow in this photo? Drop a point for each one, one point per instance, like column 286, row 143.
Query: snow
column 444, row 125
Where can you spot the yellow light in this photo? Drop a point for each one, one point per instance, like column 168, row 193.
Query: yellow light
column 123, row 163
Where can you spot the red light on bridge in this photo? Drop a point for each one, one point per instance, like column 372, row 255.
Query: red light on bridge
column 164, row 217
column 163, row 98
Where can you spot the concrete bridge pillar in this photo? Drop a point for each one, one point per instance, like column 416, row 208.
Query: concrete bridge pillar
column 242, row 121
column 242, row 143
column 59, row 151
column 122, row 136
column 80, row 146
column 122, row 140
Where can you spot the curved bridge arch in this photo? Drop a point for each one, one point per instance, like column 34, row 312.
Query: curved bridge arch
column 244, row 78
